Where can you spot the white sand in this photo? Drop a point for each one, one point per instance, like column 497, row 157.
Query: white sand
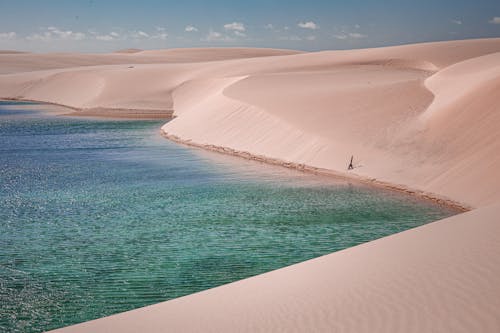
column 423, row 117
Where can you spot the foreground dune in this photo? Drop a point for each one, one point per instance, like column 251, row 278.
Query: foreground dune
column 423, row 118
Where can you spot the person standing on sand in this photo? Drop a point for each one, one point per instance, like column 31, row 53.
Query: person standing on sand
column 350, row 167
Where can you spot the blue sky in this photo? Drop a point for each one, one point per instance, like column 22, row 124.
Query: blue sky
column 101, row 26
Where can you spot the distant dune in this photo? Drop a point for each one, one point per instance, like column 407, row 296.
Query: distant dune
column 13, row 62
column 128, row 51
column 424, row 118
column 11, row 52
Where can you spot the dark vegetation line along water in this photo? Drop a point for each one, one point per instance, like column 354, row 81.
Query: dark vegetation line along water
column 103, row 216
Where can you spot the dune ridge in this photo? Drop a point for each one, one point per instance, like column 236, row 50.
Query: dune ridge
column 424, row 118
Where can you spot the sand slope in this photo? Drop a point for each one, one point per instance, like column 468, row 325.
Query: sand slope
column 328, row 106
column 422, row 117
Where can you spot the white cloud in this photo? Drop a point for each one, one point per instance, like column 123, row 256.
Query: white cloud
column 142, row 34
column 66, row 34
column 311, row 38
column 273, row 28
column 458, row 22
column 235, row 26
column 290, row 38
column 356, row 35
column 240, row 34
column 54, row 33
column 214, row 36
column 161, row 33
column 308, row 25
column 349, row 35
column 105, row 38
column 161, row 36
column 191, row 28
column 495, row 20
column 45, row 37
column 8, row 35
column 79, row 36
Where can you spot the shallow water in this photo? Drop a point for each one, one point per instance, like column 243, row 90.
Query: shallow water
column 103, row 216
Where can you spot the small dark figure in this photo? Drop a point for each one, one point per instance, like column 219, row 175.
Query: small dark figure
column 350, row 167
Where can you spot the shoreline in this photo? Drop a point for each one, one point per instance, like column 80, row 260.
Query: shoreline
column 114, row 113
column 460, row 207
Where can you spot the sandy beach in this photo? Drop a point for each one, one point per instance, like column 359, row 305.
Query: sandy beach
column 422, row 118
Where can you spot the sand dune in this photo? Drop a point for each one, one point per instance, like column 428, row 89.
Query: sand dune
column 128, row 51
column 334, row 106
column 26, row 62
column 11, row 52
column 424, row 118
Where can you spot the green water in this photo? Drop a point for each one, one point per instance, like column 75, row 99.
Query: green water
column 103, row 216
